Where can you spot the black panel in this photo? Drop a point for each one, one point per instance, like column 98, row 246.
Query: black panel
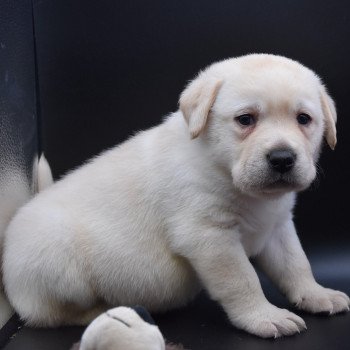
column 18, row 121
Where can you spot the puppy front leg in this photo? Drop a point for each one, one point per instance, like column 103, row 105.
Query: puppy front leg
column 285, row 262
column 224, row 269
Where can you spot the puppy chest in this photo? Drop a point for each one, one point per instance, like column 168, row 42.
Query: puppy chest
column 255, row 226
column 253, row 223
column 254, row 237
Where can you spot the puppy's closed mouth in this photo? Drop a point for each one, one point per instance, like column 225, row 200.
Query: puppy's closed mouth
column 281, row 184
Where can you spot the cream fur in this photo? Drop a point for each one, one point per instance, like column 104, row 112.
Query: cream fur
column 121, row 328
column 160, row 216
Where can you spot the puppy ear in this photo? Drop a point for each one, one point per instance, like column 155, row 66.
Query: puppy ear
column 330, row 114
column 196, row 101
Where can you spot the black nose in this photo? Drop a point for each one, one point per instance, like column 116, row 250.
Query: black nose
column 281, row 160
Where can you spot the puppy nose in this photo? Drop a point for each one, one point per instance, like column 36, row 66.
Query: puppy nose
column 281, row 160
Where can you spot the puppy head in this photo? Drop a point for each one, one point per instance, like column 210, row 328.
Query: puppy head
column 263, row 118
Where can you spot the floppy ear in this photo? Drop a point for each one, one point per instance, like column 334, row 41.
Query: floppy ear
column 330, row 115
column 196, row 101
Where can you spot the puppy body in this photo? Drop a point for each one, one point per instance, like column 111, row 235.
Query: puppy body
column 153, row 220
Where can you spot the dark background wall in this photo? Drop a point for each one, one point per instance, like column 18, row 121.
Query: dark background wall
column 108, row 68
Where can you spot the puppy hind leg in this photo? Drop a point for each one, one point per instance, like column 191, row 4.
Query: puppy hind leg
column 47, row 312
column 38, row 313
column 61, row 298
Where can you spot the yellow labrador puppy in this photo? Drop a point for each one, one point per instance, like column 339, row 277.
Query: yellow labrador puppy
column 183, row 206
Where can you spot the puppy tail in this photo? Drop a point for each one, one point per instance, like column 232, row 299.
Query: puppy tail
column 16, row 192
column 45, row 178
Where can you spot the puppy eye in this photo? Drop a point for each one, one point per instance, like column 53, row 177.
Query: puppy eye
column 304, row 119
column 245, row 119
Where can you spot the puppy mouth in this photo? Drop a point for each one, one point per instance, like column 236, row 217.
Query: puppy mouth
column 266, row 182
column 280, row 185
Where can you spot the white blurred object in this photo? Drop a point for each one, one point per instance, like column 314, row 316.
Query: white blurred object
column 44, row 174
column 121, row 328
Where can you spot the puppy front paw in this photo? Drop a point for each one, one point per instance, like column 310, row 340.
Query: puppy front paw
column 317, row 299
column 269, row 321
